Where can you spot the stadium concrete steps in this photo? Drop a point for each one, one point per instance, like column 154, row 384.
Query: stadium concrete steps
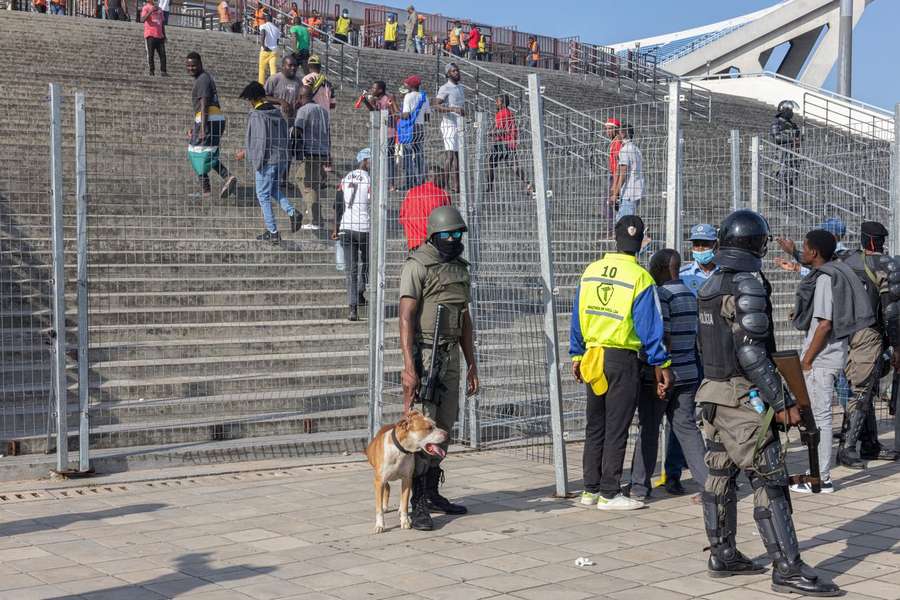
column 198, row 331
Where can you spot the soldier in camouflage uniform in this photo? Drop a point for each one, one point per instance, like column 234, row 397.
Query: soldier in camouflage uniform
column 433, row 275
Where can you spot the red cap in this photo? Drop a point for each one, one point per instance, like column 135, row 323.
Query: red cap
column 412, row 81
column 613, row 122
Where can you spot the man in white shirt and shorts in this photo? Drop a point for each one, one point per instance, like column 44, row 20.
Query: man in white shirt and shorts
column 451, row 102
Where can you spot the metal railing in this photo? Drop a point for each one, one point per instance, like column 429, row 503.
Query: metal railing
column 339, row 60
column 646, row 79
column 848, row 117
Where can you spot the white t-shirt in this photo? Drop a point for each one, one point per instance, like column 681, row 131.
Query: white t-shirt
column 453, row 96
column 411, row 100
column 630, row 156
column 272, row 33
column 356, row 185
column 834, row 353
column 163, row 5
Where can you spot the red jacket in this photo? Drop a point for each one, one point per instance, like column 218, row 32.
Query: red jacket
column 474, row 36
column 416, row 207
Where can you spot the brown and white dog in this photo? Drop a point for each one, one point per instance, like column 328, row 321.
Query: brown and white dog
column 392, row 456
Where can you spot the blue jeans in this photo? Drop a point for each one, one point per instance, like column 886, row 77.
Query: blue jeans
column 675, row 462
column 843, row 389
column 56, row 9
column 627, row 207
column 267, row 188
column 420, row 45
column 414, row 159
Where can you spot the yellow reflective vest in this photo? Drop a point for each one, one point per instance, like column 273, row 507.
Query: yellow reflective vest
column 617, row 307
column 390, row 31
column 342, row 26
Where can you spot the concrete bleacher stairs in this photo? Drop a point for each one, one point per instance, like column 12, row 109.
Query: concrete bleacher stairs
column 199, row 333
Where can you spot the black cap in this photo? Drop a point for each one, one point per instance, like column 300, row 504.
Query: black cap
column 629, row 234
column 873, row 229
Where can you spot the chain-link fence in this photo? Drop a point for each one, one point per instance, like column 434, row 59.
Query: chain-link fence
column 201, row 333
column 207, row 325
column 482, row 164
column 28, row 403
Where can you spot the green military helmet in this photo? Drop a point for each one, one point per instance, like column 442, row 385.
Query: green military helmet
column 445, row 218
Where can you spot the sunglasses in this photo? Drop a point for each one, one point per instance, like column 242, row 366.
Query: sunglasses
column 446, row 235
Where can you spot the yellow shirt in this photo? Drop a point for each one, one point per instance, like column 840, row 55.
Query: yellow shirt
column 342, row 26
column 390, row 31
column 617, row 307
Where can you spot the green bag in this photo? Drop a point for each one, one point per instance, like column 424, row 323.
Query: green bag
column 203, row 158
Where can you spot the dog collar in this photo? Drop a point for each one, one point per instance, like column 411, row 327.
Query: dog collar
column 397, row 442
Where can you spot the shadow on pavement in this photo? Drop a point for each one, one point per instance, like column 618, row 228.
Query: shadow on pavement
column 26, row 526
column 200, row 575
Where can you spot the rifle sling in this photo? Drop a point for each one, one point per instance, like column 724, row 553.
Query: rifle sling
column 765, row 423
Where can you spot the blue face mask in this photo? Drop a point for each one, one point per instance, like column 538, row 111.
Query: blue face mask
column 704, row 257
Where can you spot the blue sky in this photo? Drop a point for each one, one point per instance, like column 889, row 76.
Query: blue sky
column 602, row 21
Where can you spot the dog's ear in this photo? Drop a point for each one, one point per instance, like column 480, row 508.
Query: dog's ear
column 403, row 423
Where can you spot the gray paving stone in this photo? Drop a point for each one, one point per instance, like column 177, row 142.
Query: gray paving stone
column 508, row 583
column 552, row 593
column 459, row 591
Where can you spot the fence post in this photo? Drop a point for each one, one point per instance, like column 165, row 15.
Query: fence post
column 755, row 181
column 381, row 189
column 59, row 282
column 84, row 430
column 373, row 267
column 551, row 335
column 735, row 169
column 895, row 225
column 474, row 258
column 673, row 169
column 342, row 67
column 895, row 199
column 465, row 208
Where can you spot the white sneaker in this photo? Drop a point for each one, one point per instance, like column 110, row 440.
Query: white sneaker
column 310, row 227
column 805, row 488
column 587, row 498
column 620, row 502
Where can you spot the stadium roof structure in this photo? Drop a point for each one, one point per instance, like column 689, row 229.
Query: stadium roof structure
column 807, row 29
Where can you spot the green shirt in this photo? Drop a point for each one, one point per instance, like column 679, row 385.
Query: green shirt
column 301, row 37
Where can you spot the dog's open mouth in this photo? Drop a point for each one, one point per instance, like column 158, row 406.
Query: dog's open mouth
column 435, row 450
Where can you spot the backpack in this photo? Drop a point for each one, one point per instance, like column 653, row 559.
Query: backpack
column 405, row 127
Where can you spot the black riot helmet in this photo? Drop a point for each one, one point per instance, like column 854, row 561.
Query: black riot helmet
column 745, row 230
column 786, row 109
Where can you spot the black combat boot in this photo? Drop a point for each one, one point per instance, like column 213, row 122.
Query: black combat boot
column 720, row 517
column 436, row 502
column 789, row 573
column 847, row 455
column 875, row 451
column 420, row 517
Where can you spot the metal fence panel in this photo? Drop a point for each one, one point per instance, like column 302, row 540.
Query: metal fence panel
column 200, row 331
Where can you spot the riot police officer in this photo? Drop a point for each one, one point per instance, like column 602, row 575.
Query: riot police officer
column 435, row 276
column 786, row 134
column 736, row 338
column 865, row 363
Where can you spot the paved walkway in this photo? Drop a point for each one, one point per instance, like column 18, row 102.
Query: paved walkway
column 304, row 532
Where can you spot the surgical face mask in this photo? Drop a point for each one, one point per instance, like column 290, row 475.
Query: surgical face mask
column 704, row 257
column 448, row 249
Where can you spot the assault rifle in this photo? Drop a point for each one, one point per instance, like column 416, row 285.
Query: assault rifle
column 430, row 380
column 788, row 364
